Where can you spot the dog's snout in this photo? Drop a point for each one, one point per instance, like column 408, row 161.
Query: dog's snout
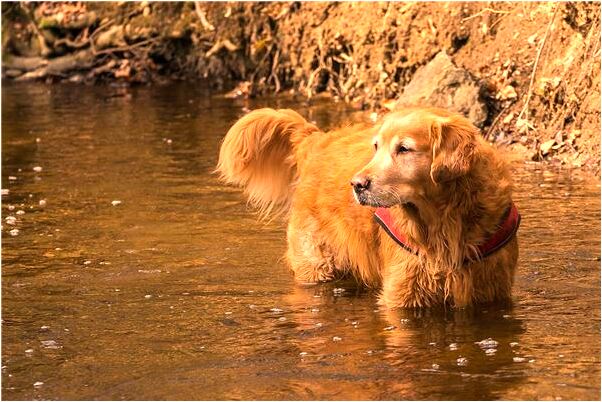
column 360, row 183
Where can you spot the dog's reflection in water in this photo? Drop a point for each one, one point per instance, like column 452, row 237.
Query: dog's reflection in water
column 345, row 331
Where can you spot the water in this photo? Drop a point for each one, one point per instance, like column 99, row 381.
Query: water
column 178, row 292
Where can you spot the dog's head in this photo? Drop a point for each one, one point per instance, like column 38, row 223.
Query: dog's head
column 415, row 153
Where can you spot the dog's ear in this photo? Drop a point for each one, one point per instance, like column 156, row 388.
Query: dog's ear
column 453, row 140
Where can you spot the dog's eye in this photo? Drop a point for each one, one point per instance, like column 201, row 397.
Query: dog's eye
column 402, row 150
column 376, row 146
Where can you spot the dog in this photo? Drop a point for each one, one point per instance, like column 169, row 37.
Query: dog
column 418, row 205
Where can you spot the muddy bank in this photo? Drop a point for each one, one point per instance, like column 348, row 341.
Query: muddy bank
column 532, row 69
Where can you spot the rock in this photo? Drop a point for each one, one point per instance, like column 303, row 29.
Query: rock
column 508, row 92
column 441, row 84
column 462, row 361
column 487, row 343
column 547, row 146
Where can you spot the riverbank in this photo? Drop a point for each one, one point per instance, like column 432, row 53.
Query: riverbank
column 531, row 69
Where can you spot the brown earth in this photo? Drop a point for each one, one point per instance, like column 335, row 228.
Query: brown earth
column 537, row 65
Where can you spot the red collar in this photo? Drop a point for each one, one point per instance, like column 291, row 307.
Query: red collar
column 507, row 229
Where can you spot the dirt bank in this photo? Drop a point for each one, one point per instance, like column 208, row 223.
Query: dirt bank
column 536, row 65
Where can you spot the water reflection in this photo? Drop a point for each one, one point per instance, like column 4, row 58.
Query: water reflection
column 178, row 292
column 390, row 347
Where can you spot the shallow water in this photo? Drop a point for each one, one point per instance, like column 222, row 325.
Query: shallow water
column 179, row 293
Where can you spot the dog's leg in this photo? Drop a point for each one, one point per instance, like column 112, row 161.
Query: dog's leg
column 408, row 284
column 308, row 256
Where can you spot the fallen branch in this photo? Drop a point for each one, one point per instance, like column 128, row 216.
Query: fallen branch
column 10, row 62
column 58, row 66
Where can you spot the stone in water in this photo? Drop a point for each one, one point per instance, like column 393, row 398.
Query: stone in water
column 487, row 343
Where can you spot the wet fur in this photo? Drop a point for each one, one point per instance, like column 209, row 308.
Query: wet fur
column 453, row 200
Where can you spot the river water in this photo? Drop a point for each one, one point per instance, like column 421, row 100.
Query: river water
column 135, row 274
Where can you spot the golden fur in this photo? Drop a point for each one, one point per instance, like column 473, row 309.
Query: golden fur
column 445, row 186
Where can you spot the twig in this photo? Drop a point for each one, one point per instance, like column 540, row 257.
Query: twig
column 497, row 21
column 525, row 109
column 495, row 121
column 229, row 46
column 258, row 65
column 126, row 48
column 310, row 81
column 201, row 14
column 273, row 73
column 386, row 17
column 483, row 10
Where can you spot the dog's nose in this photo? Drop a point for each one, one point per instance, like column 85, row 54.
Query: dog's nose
column 360, row 183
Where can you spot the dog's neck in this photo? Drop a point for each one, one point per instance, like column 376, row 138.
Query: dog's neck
column 450, row 223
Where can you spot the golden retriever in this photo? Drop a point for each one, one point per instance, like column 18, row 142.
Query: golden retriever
column 442, row 194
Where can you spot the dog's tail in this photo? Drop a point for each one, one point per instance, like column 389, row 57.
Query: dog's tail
column 259, row 153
